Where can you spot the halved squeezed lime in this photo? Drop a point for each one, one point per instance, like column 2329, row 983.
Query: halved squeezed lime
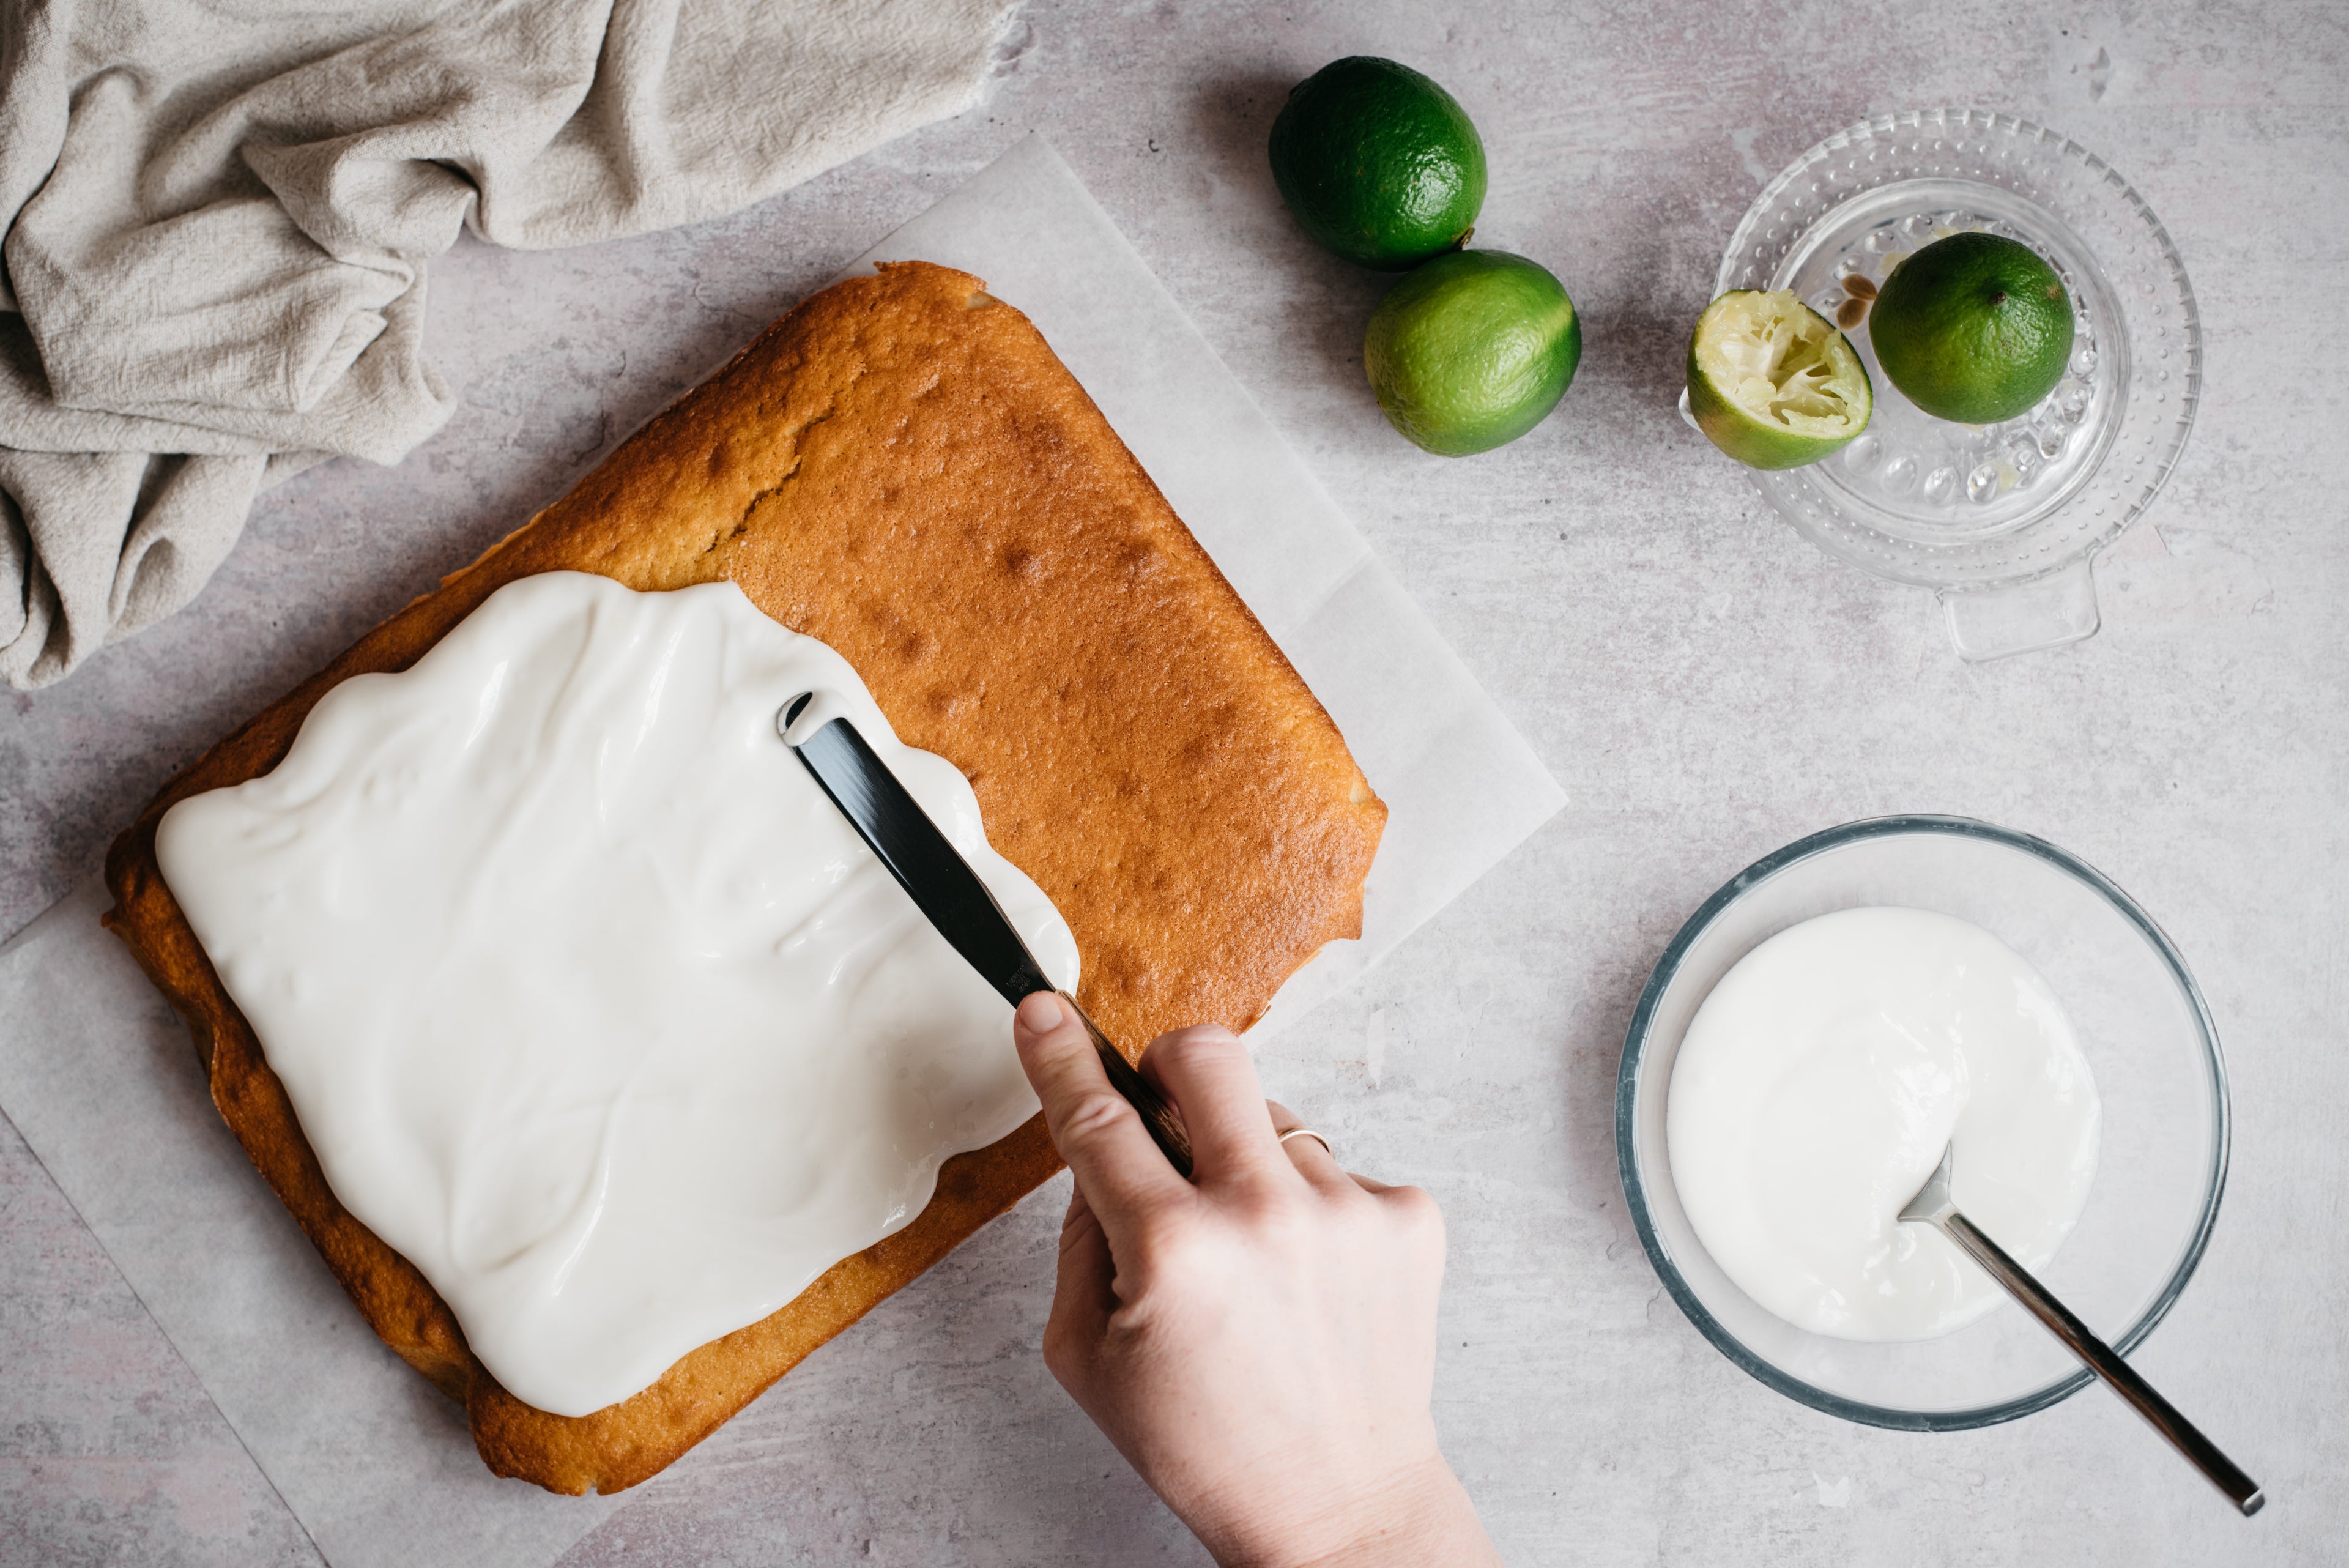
column 1772, row 382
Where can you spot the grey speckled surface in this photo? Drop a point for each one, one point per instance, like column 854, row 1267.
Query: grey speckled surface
column 1706, row 685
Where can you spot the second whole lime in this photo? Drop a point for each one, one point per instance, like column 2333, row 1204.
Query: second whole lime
column 1378, row 162
column 1975, row 327
column 1471, row 350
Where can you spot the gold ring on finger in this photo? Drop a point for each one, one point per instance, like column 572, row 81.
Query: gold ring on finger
column 1309, row 1132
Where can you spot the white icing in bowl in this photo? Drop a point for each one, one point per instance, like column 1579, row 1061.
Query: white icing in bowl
column 1819, row 1083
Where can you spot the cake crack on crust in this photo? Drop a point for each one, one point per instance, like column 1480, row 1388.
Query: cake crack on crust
column 901, row 467
column 717, row 465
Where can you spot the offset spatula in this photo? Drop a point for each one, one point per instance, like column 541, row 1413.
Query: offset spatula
column 946, row 890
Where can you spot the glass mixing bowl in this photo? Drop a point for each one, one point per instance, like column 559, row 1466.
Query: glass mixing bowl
column 2148, row 1040
column 2002, row 519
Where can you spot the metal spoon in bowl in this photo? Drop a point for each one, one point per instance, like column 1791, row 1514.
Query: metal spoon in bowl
column 1933, row 1206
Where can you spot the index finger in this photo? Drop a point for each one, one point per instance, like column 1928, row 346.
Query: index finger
column 1122, row 1172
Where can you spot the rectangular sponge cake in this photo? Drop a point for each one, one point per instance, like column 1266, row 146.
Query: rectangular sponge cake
column 901, row 467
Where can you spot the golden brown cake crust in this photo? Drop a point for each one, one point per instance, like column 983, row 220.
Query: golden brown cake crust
column 901, row 467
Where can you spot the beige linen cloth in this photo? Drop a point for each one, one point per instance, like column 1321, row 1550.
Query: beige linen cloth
column 218, row 213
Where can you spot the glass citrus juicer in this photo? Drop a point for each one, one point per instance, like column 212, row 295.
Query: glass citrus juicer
column 2001, row 521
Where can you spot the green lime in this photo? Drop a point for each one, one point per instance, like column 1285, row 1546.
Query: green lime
column 1471, row 351
column 1378, row 162
column 1772, row 382
column 1975, row 327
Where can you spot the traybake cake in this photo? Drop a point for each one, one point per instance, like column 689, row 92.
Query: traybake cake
column 901, row 467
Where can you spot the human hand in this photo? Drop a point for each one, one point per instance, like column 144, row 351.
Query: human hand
column 1258, row 1342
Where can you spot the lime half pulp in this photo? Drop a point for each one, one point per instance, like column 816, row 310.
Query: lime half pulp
column 1772, row 382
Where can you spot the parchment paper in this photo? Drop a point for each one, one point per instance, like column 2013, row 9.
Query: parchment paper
column 96, row 1070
